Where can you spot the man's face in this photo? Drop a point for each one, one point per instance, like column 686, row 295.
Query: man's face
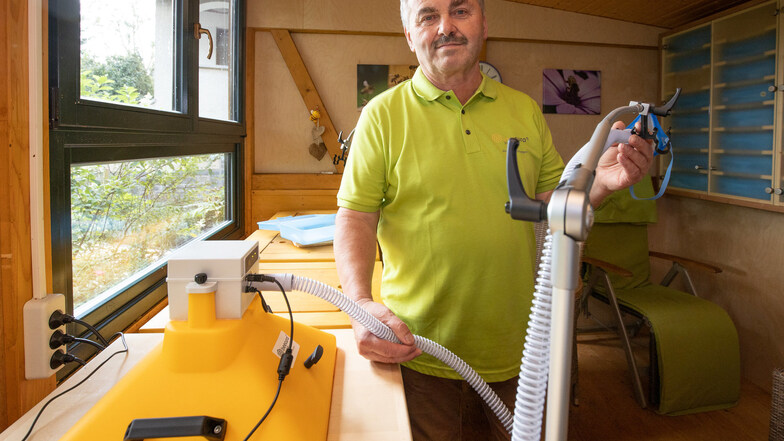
column 446, row 35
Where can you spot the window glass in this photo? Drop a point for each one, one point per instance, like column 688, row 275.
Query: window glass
column 217, row 73
column 127, row 52
column 127, row 216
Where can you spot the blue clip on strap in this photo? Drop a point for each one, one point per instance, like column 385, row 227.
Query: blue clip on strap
column 662, row 139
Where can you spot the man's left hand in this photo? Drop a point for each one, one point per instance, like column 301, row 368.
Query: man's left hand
column 622, row 165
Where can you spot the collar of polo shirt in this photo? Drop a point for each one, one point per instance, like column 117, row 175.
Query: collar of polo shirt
column 427, row 91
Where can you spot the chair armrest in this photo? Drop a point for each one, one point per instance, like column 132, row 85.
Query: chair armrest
column 690, row 263
column 606, row 266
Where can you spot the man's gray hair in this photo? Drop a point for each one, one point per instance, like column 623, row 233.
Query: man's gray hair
column 404, row 10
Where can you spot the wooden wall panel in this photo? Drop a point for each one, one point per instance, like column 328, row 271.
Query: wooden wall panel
column 310, row 95
column 16, row 288
column 304, row 181
column 292, row 192
column 268, row 202
column 747, row 244
column 283, row 130
column 250, row 130
column 5, row 261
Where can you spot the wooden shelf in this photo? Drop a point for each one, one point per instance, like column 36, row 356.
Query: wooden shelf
column 688, row 151
column 744, row 82
column 748, row 59
column 740, row 175
column 743, row 51
column 691, row 130
column 689, row 71
column 688, row 52
column 759, row 33
column 744, row 106
column 742, row 152
column 690, row 110
column 743, row 129
column 690, row 171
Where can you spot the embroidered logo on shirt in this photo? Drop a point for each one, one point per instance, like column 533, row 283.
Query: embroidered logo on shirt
column 501, row 139
column 498, row 139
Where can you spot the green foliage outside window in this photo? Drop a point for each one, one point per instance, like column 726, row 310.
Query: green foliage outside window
column 121, row 78
column 127, row 215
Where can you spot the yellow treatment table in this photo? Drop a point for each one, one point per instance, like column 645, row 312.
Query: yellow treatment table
column 368, row 402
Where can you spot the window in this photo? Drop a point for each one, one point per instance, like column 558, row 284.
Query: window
column 222, row 53
column 146, row 143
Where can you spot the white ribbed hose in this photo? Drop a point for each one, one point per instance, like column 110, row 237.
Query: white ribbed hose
column 532, row 385
column 379, row 329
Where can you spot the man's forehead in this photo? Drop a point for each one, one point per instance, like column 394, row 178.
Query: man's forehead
column 429, row 5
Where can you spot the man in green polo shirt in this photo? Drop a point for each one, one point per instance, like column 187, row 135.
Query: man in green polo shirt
column 426, row 178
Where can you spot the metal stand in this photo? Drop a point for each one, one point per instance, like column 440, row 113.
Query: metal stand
column 570, row 218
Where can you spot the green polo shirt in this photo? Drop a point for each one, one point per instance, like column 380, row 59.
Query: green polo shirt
column 457, row 269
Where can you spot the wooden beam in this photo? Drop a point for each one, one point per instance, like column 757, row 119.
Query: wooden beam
column 296, row 181
column 307, row 89
column 489, row 39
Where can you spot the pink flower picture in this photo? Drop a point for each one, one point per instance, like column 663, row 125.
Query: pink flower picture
column 571, row 91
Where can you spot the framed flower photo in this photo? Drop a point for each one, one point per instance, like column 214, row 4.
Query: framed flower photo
column 576, row 92
column 372, row 79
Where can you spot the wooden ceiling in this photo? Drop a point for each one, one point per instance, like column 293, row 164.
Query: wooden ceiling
column 668, row 14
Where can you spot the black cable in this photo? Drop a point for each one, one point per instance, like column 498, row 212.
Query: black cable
column 59, row 338
column 285, row 361
column 59, row 318
column 274, row 400
column 93, row 330
column 250, row 288
column 125, row 345
column 291, row 315
column 90, row 342
column 60, row 358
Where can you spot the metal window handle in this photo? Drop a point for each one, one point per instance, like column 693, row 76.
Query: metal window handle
column 777, row 191
column 197, row 31
column 699, row 167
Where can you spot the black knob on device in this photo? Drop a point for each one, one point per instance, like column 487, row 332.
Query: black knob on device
column 314, row 357
column 200, row 278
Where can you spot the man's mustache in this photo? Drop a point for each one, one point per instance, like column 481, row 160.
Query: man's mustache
column 449, row 39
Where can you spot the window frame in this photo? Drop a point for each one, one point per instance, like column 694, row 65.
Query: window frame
column 85, row 131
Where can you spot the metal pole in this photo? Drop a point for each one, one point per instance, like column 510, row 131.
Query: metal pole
column 565, row 265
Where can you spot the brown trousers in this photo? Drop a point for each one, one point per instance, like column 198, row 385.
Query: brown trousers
column 450, row 410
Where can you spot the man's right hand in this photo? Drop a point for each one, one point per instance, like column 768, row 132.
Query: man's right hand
column 377, row 349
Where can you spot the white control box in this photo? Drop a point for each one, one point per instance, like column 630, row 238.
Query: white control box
column 226, row 262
